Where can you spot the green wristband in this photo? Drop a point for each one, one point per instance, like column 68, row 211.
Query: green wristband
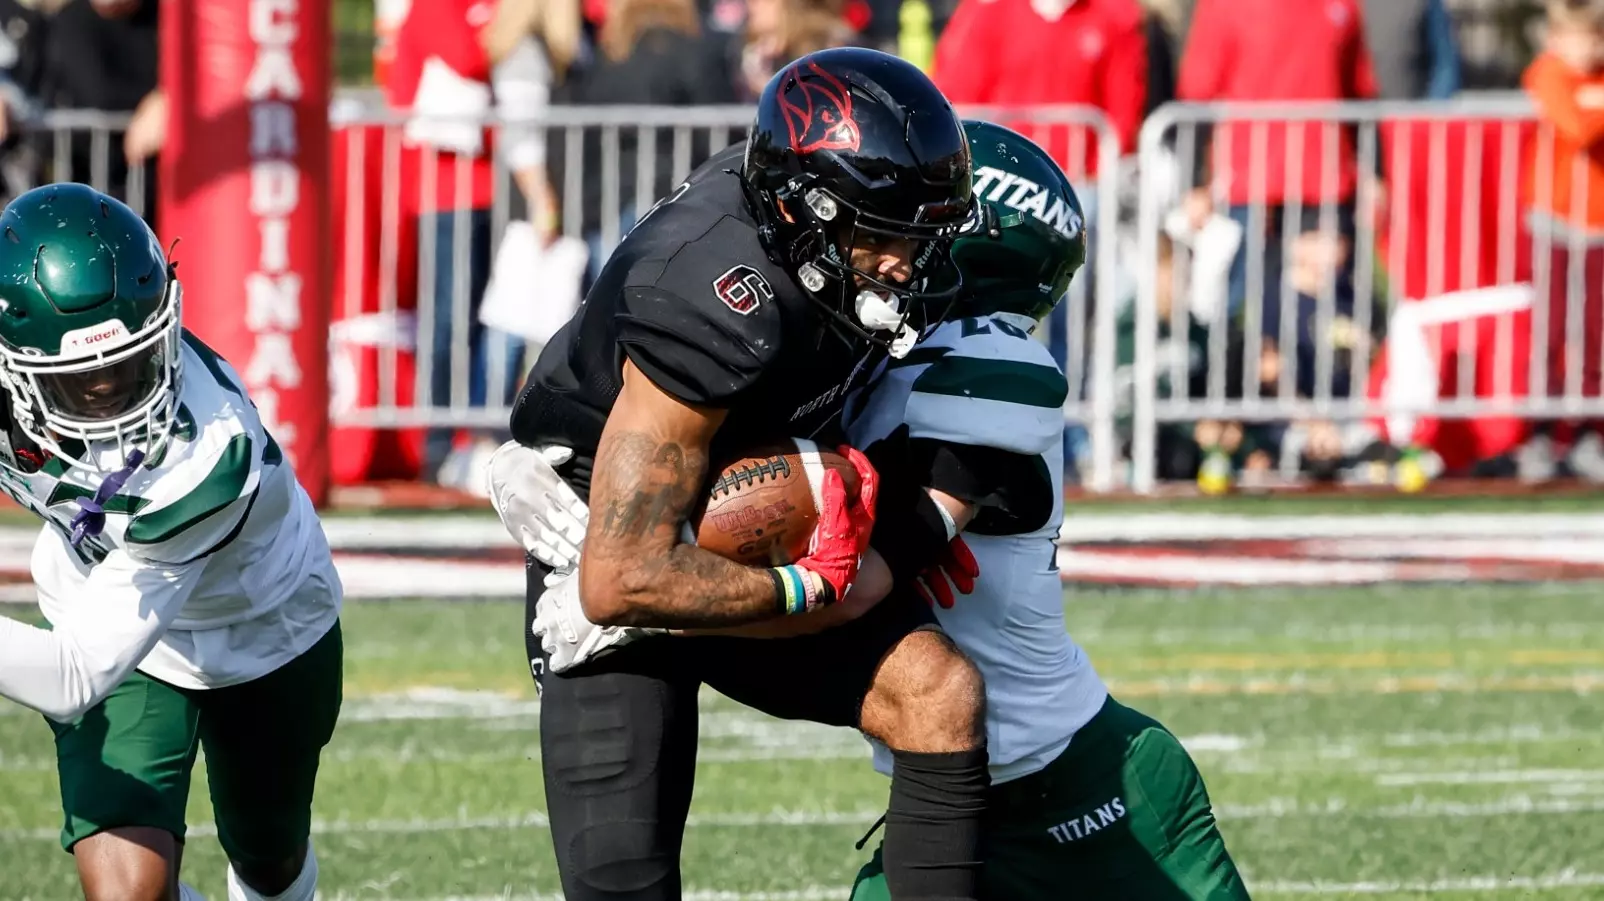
column 791, row 589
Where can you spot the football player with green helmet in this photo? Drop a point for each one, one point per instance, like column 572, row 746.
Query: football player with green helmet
column 1088, row 797
column 191, row 595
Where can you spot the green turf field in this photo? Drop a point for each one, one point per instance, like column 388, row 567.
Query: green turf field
column 1382, row 743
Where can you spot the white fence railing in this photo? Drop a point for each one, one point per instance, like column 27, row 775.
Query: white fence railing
column 1258, row 265
column 1361, row 267
column 605, row 166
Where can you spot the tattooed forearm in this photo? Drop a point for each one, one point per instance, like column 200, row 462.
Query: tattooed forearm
column 661, row 495
column 636, row 570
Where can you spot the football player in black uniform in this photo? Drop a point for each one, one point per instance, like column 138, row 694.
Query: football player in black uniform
column 741, row 310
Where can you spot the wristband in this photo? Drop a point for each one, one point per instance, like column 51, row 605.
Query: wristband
column 947, row 522
column 794, row 591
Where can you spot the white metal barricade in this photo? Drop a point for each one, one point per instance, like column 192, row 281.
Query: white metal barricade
column 1285, row 294
column 417, row 231
column 623, row 159
column 76, row 145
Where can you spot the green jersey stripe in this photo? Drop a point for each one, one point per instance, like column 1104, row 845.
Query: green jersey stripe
column 221, row 487
column 1027, row 384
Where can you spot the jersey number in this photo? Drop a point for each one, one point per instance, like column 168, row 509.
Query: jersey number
column 973, row 326
column 742, row 289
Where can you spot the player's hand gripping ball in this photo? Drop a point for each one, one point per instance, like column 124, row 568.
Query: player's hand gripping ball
column 762, row 509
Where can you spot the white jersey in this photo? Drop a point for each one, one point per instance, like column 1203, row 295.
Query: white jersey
column 211, row 567
column 985, row 382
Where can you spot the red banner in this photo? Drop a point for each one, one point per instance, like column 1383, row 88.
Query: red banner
column 242, row 185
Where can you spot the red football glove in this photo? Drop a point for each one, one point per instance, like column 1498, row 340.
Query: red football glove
column 862, row 507
column 957, row 567
column 845, row 524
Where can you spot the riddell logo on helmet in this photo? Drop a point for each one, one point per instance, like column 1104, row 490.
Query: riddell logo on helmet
column 818, row 110
column 106, row 334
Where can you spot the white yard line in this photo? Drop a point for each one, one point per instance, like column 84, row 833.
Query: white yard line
column 1518, row 805
column 1549, row 882
column 1561, row 880
column 1204, row 526
column 1076, row 562
column 1490, row 777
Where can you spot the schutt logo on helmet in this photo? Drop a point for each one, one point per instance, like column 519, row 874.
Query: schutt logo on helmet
column 818, row 110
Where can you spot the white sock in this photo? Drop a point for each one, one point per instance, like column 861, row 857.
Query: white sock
column 302, row 889
column 188, row 893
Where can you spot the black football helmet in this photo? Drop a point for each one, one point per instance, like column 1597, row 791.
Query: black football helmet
column 851, row 146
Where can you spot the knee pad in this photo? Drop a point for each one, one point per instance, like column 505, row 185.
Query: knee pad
column 618, row 753
column 302, row 889
column 621, row 859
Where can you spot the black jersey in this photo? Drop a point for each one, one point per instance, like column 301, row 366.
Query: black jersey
column 693, row 300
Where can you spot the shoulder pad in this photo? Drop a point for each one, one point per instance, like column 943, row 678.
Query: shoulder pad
column 703, row 320
column 195, row 508
column 195, row 487
column 988, row 384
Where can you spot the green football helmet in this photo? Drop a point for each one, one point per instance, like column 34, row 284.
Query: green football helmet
column 89, row 322
column 1025, row 265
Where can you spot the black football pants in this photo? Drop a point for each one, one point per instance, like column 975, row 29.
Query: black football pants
column 618, row 737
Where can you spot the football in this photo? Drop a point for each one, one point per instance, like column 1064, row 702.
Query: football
column 761, row 509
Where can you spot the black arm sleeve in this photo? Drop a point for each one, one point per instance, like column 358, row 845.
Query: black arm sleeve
column 1013, row 491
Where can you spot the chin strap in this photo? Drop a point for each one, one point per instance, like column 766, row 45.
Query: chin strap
column 91, row 517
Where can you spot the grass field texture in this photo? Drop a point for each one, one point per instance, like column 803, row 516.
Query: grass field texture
column 1380, row 743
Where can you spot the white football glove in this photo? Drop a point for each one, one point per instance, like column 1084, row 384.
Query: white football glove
column 570, row 639
column 540, row 511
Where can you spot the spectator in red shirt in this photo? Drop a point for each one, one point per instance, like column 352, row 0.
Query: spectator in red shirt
column 1028, row 52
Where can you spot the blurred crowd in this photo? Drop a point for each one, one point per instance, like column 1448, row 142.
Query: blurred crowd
column 81, row 55
column 1257, row 288
column 1122, row 57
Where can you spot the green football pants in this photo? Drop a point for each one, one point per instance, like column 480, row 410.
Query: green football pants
column 127, row 761
column 1122, row 813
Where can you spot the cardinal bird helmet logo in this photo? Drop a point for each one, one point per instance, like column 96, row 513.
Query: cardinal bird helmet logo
column 818, row 110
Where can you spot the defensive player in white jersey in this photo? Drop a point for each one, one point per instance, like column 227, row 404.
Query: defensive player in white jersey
column 190, row 592
column 1090, row 799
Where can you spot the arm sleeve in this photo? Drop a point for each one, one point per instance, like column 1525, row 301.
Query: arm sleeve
column 127, row 606
column 1013, row 492
column 1444, row 50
